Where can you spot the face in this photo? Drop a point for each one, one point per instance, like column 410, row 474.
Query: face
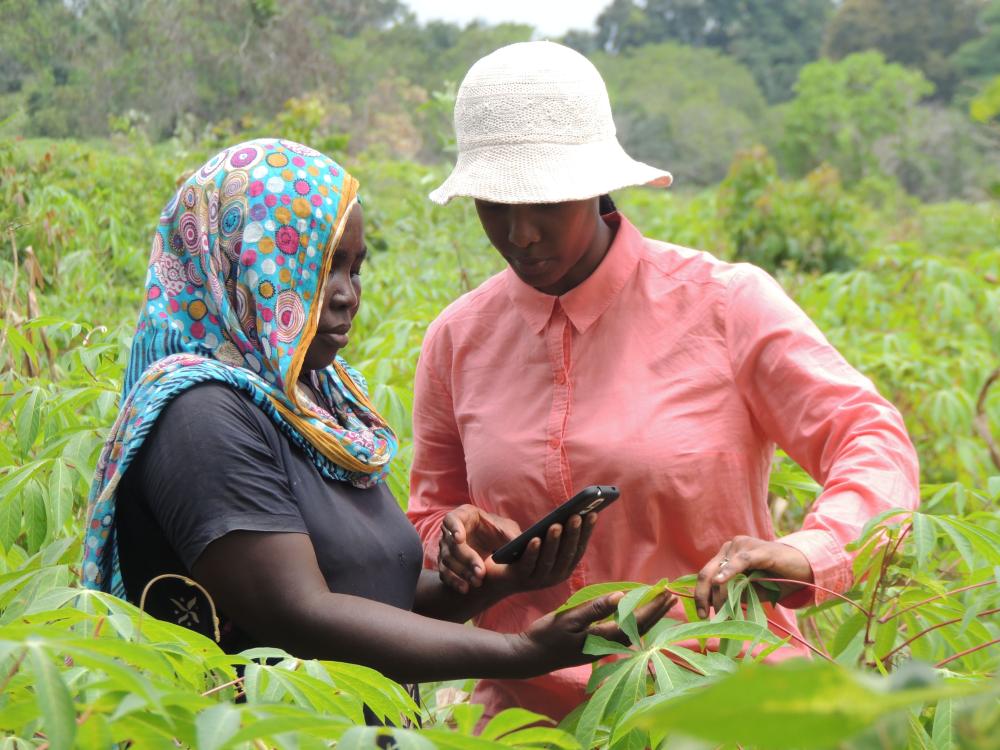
column 550, row 246
column 341, row 296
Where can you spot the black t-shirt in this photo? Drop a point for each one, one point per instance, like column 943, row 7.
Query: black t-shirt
column 215, row 463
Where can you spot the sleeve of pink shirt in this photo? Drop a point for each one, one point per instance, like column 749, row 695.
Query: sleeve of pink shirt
column 437, row 479
column 826, row 416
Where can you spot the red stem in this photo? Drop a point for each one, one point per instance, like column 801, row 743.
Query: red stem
column 217, row 688
column 925, row 631
column 803, row 641
column 967, row 651
column 818, row 588
column 886, row 560
column 884, row 620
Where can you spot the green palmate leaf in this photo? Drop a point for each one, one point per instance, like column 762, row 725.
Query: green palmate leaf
column 35, row 515
column 885, row 636
column 739, row 630
column 547, row 737
column 386, row 698
column 509, row 720
column 594, row 591
column 443, row 740
column 590, row 719
column 94, row 733
column 216, row 725
column 942, row 730
column 28, row 420
column 924, row 538
column 60, row 497
column 795, row 704
column 10, row 520
column 54, row 701
column 294, row 722
column 597, row 646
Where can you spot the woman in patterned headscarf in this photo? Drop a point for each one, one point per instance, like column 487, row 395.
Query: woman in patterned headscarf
column 248, row 457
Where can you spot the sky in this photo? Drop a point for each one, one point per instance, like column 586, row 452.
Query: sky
column 549, row 17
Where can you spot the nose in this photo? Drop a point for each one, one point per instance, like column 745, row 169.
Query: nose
column 522, row 230
column 340, row 292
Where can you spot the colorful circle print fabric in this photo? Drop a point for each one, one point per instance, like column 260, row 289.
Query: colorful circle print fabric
column 233, row 294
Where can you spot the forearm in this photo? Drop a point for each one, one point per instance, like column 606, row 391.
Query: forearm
column 435, row 599
column 405, row 646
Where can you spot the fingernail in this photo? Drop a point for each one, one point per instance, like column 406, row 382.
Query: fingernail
column 720, row 576
column 701, row 613
column 478, row 570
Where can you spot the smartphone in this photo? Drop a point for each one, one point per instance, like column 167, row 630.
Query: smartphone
column 591, row 499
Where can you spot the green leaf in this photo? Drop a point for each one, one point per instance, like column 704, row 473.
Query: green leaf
column 94, row 733
column 216, row 725
column 509, row 720
column 60, row 503
column 590, row 720
column 28, row 420
column 924, row 538
column 942, row 729
column 10, row 520
column 595, row 591
column 54, row 700
column 35, row 524
column 797, row 703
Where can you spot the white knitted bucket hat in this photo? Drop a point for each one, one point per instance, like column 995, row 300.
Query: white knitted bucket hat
column 533, row 124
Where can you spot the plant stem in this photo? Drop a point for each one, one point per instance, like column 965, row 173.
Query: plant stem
column 13, row 670
column 219, row 688
column 825, row 590
column 967, row 651
column 925, row 631
column 971, row 586
column 799, row 639
column 886, row 560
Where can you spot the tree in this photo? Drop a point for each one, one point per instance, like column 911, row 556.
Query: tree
column 773, row 39
column 921, row 34
column 844, row 108
column 980, row 58
column 686, row 109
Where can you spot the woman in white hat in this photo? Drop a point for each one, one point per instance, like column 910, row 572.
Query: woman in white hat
column 603, row 357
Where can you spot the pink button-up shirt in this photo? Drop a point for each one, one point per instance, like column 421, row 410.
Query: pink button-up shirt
column 672, row 375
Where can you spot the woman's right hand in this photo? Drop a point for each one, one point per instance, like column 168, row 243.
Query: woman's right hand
column 556, row 641
column 469, row 535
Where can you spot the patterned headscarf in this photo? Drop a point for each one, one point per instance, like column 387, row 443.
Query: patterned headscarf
column 234, row 294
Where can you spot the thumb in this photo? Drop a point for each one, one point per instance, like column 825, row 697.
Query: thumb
column 593, row 611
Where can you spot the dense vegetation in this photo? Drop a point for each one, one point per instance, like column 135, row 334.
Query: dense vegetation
column 908, row 289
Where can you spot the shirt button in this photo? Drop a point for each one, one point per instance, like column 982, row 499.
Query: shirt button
column 554, row 443
column 560, row 378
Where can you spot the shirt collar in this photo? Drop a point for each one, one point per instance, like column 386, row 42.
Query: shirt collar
column 585, row 303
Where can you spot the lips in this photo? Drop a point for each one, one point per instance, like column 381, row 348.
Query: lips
column 336, row 335
column 530, row 266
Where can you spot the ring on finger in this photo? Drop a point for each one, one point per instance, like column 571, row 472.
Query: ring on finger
column 724, row 563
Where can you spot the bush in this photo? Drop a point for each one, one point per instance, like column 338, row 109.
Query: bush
column 810, row 224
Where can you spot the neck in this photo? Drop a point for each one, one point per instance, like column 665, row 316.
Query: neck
column 597, row 248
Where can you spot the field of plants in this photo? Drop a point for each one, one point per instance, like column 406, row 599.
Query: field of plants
column 910, row 293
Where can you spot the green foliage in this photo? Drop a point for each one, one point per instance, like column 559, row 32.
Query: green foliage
column 843, row 109
column 772, row 39
column 920, row 34
column 686, row 109
column 82, row 669
column 773, row 223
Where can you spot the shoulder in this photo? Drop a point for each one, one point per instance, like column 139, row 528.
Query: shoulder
column 686, row 265
column 212, row 410
column 486, row 300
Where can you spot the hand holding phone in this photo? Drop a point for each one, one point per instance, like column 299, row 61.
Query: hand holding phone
column 591, row 499
column 469, row 534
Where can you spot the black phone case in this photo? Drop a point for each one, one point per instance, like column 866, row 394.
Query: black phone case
column 590, row 499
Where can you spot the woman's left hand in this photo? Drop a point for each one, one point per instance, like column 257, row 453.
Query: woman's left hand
column 741, row 555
